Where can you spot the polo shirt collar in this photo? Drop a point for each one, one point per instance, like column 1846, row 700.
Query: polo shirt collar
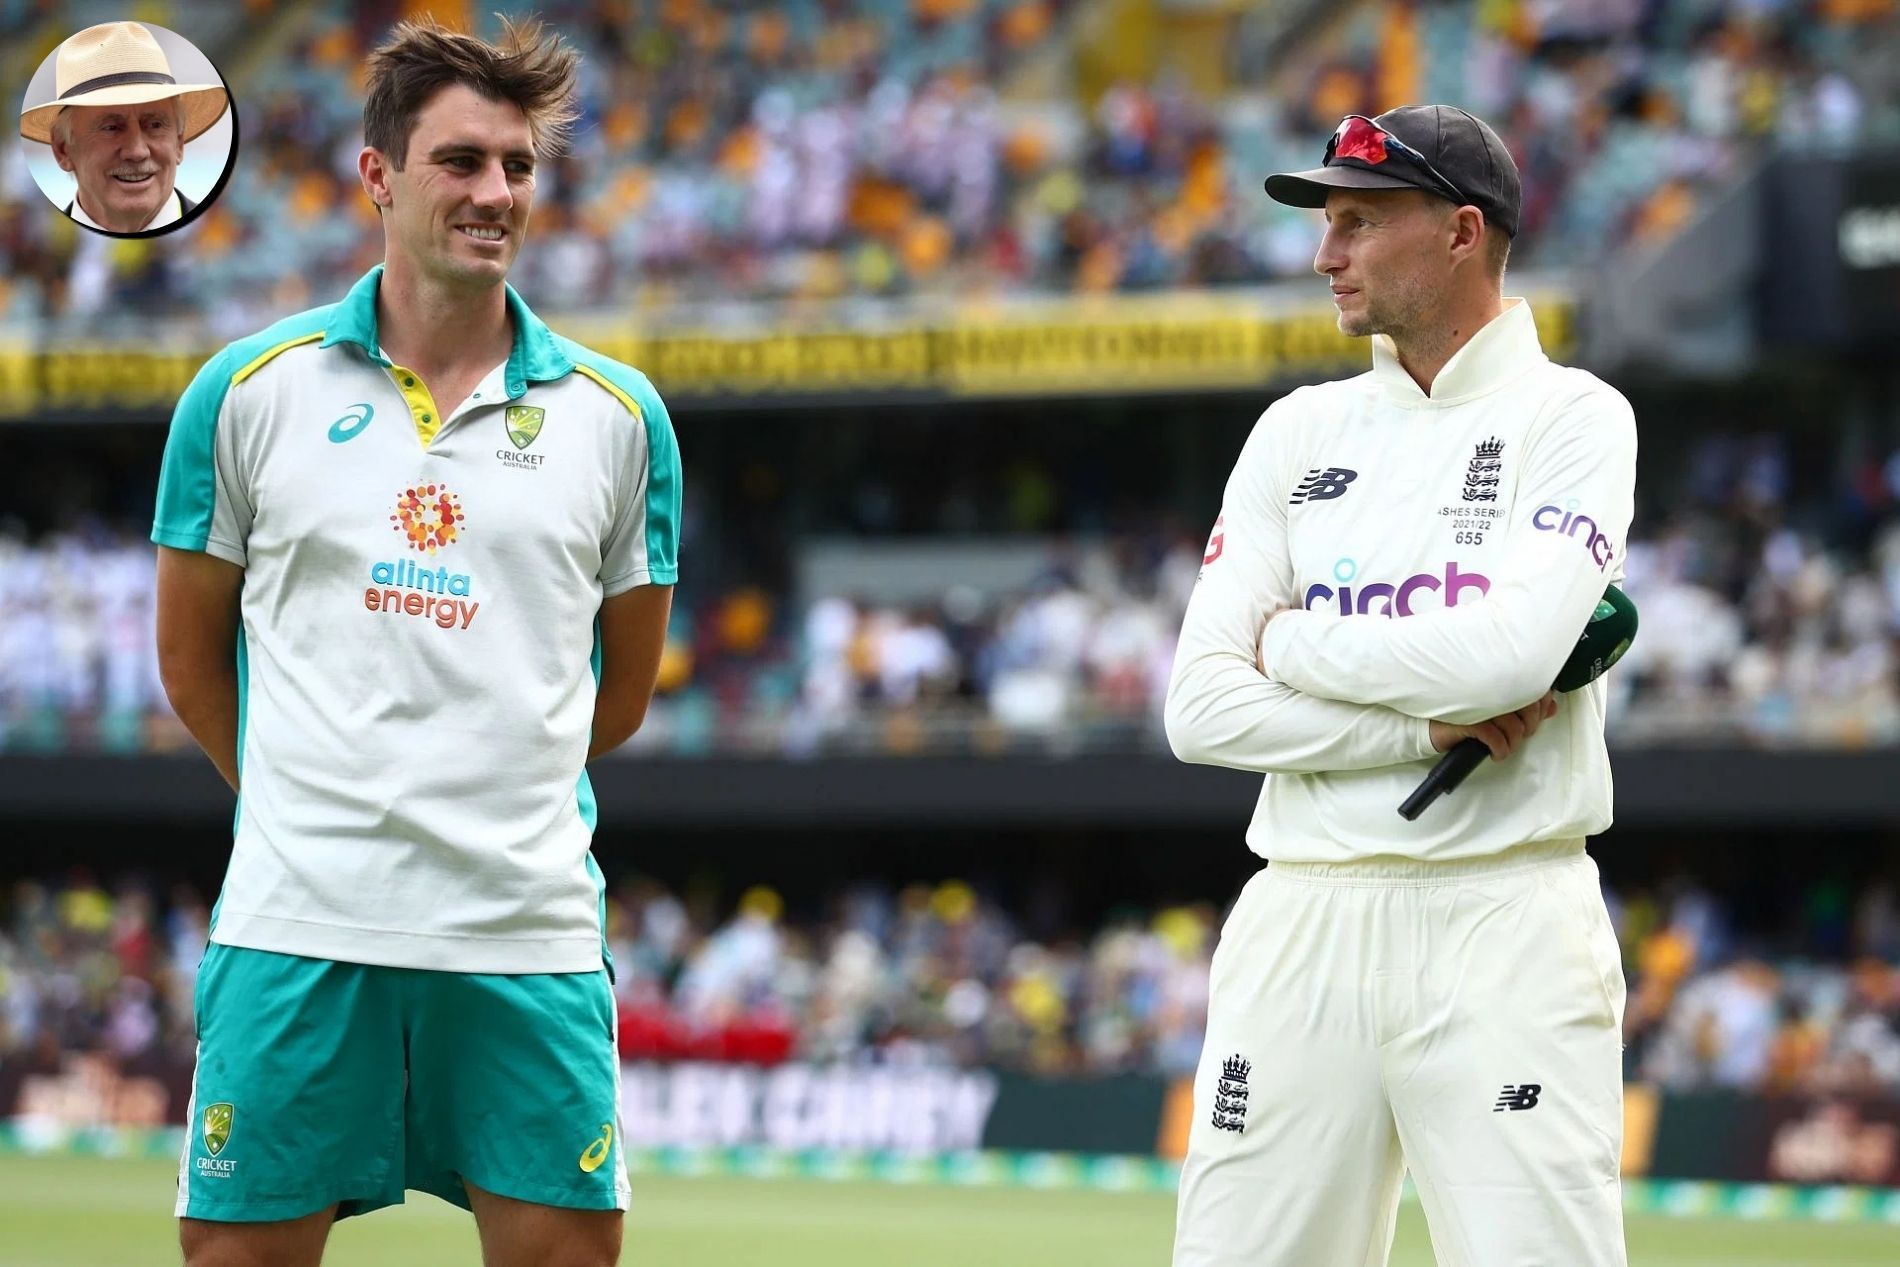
column 535, row 358
column 1504, row 348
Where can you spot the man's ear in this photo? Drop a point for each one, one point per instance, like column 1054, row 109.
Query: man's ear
column 372, row 167
column 61, row 156
column 1467, row 233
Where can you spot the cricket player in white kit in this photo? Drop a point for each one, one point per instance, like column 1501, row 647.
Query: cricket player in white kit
column 1404, row 559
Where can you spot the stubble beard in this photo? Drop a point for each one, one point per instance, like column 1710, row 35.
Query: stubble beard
column 451, row 270
column 1397, row 312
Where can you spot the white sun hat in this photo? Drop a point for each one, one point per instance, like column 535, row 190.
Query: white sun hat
column 119, row 64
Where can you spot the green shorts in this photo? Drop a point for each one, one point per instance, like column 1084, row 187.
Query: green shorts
column 323, row 1083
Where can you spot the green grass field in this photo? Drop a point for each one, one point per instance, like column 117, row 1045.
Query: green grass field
column 87, row 1212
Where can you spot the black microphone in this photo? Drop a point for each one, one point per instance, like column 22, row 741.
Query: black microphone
column 1611, row 629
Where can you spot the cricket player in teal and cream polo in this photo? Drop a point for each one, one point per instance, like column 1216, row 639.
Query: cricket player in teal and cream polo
column 417, row 558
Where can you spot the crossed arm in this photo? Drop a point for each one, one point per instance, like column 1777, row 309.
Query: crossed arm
column 1256, row 687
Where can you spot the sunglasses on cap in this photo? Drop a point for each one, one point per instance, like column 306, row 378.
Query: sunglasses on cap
column 1359, row 137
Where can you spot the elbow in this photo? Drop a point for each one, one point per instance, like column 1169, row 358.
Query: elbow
column 615, row 728
column 187, row 688
column 1185, row 738
column 630, row 727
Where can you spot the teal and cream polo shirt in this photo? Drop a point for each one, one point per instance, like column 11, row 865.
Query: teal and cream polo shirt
column 418, row 653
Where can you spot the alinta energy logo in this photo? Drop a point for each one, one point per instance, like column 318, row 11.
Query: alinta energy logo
column 430, row 517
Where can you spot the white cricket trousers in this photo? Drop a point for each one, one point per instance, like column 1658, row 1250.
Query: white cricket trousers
column 1460, row 1020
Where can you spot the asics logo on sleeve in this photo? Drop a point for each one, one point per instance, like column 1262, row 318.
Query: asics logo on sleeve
column 596, row 1152
column 1322, row 485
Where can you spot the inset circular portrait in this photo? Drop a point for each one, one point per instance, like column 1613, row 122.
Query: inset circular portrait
column 135, row 131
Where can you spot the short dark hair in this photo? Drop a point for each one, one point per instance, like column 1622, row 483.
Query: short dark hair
column 530, row 66
column 1497, row 248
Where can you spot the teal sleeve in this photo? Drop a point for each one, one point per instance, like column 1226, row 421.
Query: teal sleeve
column 663, row 487
column 642, row 543
column 188, row 477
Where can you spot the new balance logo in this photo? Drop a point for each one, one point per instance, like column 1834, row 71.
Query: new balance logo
column 1230, row 1095
column 1319, row 486
column 1517, row 1098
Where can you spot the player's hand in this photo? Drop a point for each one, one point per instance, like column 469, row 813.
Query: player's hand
column 1502, row 734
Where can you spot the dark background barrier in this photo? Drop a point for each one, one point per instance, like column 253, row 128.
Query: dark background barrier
column 1655, row 787
column 1778, row 1139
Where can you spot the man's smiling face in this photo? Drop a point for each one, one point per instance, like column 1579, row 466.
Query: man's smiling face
column 459, row 206
column 125, row 159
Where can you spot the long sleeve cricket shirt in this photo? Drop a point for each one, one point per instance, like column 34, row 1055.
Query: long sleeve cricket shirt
column 1441, row 554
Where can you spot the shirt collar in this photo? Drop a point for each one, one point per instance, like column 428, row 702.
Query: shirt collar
column 170, row 213
column 535, row 358
column 1504, row 348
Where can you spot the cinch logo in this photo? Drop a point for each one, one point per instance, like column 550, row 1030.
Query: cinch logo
column 1392, row 600
column 429, row 515
column 1566, row 520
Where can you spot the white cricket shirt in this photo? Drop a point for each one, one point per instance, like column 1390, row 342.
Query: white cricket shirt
column 418, row 654
column 1442, row 553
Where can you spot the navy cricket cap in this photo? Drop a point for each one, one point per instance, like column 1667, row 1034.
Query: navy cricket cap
column 1440, row 149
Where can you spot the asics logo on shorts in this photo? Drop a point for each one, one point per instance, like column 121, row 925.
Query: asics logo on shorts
column 596, row 1152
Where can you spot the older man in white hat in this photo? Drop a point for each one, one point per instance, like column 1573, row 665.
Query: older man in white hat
column 118, row 121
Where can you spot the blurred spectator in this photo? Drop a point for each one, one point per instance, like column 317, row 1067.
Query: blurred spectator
column 1771, row 614
column 944, row 973
column 820, row 151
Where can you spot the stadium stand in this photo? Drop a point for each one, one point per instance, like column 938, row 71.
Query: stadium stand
column 941, row 973
column 1771, row 614
column 829, row 155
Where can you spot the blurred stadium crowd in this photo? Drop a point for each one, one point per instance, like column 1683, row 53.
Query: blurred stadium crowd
column 942, row 973
column 832, row 152
column 1770, row 607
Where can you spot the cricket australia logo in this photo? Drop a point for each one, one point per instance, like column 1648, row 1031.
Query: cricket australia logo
column 1481, row 479
column 523, row 424
column 1322, row 485
column 217, row 1127
column 1230, row 1095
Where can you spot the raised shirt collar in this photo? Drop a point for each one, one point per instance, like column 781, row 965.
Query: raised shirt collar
column 1504, row 348
column 535, row 358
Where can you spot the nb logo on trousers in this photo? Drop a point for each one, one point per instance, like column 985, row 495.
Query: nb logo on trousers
column 1517, row 1098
